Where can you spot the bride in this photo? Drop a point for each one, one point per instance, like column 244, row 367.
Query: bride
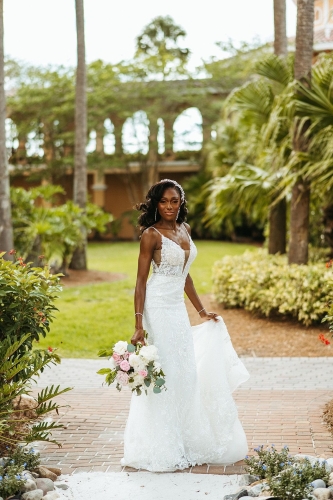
column 195, row 420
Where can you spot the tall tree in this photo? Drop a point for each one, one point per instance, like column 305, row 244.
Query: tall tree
column 280, row 30
column 79, row 260
column 159, row 50
column 278, row 211
column 6, row 230
column 300, row 198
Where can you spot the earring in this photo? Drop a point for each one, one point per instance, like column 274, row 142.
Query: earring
column 156, row 215
column 178, row 213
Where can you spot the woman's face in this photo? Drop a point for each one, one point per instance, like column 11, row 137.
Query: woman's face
column 169, row 204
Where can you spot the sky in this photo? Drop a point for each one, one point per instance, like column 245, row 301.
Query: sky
column 42, row 32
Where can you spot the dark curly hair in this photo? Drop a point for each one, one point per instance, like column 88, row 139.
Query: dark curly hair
column 148, row 208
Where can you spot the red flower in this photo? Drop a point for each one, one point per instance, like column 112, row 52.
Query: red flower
column 329, row 264
column 41, row 257
column 323, row 339
column 12, row 252
column 50, row 349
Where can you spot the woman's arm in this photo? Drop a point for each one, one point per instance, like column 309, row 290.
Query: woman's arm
column 147, row 247
column 194, row 297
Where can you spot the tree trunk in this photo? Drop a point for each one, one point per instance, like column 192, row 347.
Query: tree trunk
column 6, row 229
column 280, row 28
column 277, row 228
column 79, row 259
column 300, row 198
column 299, row 223
column 278, row 212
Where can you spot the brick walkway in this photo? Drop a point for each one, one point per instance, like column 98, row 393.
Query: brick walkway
column 282, row 403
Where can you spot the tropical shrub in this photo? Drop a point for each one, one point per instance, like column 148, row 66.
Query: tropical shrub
column 53, row 231
column 27, row 296
column 26, row 308
column 267, row 285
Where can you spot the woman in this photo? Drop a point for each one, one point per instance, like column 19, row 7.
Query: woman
column 195, row 420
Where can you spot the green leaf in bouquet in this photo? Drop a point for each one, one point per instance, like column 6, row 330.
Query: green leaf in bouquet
column 130, row 348
column 138, row 391
column 147, row 382
column 159, row 382
column 110, row 377
column 156, row 390
column 105, row 353
column 104, row 371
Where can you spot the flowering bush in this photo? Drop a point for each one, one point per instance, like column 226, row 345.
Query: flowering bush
column 294, row 482
column 11, row 479
column 285, row 476
column 268, row 462
column 12, row 475
column 136, row 367
column 266, row 284
column 27, row 457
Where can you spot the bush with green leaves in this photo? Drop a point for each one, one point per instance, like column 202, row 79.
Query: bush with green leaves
column 266, row 284
column 53, row 231
column 23, row 456
column 27, row 298
column 11, row 480
column 285, row 476
column 268, row 462
column 294, row 482
column 13, row 467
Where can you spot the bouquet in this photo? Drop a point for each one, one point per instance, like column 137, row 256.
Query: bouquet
column 134, row 366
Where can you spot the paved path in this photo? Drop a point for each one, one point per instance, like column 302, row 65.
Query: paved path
column 282, row 403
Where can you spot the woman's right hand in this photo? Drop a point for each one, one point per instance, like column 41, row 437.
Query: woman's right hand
column 138, row 337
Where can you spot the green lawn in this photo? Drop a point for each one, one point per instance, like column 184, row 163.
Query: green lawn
column 95, row 316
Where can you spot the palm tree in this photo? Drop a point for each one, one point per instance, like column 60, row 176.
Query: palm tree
column 79, row 260
column 280, row 30
column 278, row 211
column 6, row 230
column 300, row 197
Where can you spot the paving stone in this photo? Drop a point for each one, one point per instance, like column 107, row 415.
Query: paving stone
column 282, row 403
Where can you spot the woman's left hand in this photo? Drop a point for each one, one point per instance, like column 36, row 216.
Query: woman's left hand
column 208, row 315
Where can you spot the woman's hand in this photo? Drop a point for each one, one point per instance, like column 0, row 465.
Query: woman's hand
column 208, row 315
column 138, row 337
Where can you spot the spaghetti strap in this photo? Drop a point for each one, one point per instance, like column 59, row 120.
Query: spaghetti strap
column 156, row 230
column 188, row 234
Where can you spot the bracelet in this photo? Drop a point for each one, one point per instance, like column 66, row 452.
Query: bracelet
column 201, row 310
column 138, row 313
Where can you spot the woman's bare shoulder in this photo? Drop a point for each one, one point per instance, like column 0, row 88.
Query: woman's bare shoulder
column 188, row 227
column 149, row 237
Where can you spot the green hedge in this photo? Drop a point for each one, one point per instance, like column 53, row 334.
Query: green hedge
column 267, row 285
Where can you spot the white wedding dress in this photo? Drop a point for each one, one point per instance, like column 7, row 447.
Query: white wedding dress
column 195, row 421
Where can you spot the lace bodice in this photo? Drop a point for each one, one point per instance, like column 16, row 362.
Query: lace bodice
column 173, row 258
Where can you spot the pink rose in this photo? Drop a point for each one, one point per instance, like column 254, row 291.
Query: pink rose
column 124, row 365
column 122, row 378
column 143, row 373
column 126, row 355
column 117, row 358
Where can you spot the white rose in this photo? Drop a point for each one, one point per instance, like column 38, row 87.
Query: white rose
column 136, row 362
column 112, row 363
column 120, row 347
column 138, row 379
column 157, row 366
column 148, row 353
